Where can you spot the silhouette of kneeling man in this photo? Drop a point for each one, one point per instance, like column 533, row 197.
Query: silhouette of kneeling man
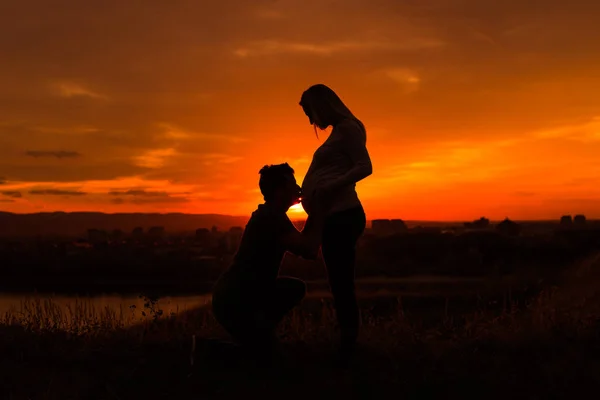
column 250, row 299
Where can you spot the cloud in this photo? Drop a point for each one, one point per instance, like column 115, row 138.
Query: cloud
column 525, row 194
column 154, row 158
column 6, row 201
column 295, row 162
column 56, row 154
column 215, row 197
column 218, row 158
column 71, row 89
column 2, row 181
column 12, row 193
column 222, row 136
column 142, row 196
column 405, row 77
column 588, row 131
column 57, row 192
column 171, row 132
column 64, row 172
column 174, row 132
column 275, row 46
column 269, row 14
column 160, row 200
column 71, row 130
column 137, row 192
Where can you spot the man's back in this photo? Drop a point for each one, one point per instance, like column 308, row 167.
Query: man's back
column 261, row 250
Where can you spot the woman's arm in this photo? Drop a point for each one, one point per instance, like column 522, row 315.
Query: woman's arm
column 306, row 243
column 354, row 141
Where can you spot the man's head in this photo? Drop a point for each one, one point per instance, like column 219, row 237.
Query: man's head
column 278, row 185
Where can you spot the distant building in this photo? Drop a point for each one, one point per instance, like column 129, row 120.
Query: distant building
column 137, row 233
column 428, row 229
column 566, row 220
column 481, row 223
column 234, row 238
column 397, row 225
column 509, row 227
column 97, row 236
column 156, row 232
column 203, row 237
column 579, row 220
column 383, row 227
column 116, row 235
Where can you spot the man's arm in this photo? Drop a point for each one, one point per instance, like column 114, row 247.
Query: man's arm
column 306, row 243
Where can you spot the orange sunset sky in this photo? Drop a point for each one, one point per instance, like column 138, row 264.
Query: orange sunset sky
column 472, row 107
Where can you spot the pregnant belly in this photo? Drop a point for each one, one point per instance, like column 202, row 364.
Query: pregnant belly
column 308, row 188
column 306, row 205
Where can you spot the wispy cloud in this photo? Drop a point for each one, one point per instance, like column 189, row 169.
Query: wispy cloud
column 521, row 193
column 268, row 47
column 300, row 161
column 482, row 36
column 171, row 131
column 135, row 183
column 57, row 192
column 219, row 158
column 225, row 137
column 445, row 164
column 154, row 158
column 12, row 193
column 73, row 130
column 584, row 132
column 405, row 77
column 138, row 192
column 56, row 154
column 213, row 197
column 268, row 14
column 141, row 196
column 73, row 89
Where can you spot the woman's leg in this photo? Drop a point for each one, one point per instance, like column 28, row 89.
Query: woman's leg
column 340, row 234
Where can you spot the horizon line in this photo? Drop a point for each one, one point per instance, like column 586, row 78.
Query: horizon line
column 296, row 218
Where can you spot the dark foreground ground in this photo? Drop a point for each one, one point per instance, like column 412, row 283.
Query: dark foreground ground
column 548, row 347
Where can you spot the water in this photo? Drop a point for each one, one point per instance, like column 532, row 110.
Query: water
column 120, row 305
column 424, row 291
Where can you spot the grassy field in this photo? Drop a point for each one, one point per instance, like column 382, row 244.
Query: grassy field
column 548, row 348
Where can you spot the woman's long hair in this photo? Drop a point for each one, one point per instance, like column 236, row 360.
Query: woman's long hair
column 323, row 102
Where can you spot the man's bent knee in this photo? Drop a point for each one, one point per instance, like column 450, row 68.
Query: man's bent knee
column 299, row 289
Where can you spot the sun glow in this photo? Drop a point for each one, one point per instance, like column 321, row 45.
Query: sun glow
column 296, row 209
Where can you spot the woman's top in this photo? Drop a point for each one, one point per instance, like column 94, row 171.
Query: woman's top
column 341, row 161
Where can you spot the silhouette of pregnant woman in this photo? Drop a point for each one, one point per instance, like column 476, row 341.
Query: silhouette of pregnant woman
column 337, row 165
